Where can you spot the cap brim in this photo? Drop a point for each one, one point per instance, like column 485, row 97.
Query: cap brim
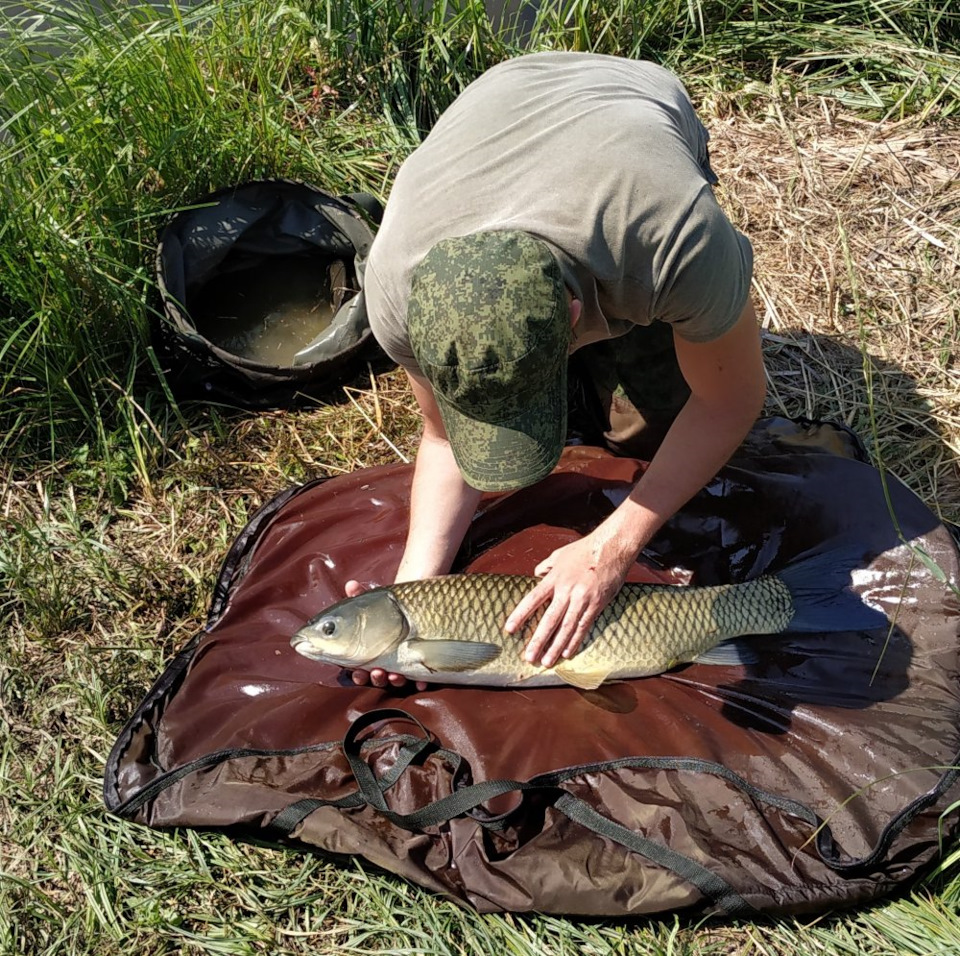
column 514, row 453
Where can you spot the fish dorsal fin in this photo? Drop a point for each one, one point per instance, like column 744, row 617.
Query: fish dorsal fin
column 452, row 655
column 584, row 678
column 733, row 653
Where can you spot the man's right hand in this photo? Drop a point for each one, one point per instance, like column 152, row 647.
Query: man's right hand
column 441, row 507
column 378, row 677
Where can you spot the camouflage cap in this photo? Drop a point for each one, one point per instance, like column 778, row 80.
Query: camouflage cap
column 489, row 325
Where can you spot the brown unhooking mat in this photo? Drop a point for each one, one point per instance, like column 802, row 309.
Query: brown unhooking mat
column 812, row 780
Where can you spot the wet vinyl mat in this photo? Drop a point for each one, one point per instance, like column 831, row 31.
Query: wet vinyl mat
column 813, row 779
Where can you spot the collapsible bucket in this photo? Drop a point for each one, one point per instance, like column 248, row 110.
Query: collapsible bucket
column 260, row 293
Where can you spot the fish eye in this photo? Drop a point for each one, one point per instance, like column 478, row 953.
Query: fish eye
column 329, row 627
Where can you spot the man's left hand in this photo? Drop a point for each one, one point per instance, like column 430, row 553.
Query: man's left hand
column 578, row 581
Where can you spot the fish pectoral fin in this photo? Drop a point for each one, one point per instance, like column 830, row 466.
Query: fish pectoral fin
column 453, row 655
column 585, row 679
column 733, row 653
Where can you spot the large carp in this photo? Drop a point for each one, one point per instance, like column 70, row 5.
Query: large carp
column 450, row 629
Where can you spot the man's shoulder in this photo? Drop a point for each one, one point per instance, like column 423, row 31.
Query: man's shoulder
column 592, row 64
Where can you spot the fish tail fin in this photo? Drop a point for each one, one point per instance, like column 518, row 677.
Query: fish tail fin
column 820, row 586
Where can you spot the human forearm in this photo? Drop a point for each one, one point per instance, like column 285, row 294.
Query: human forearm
column 442, row 505
column 700, row 441
column 727, row 387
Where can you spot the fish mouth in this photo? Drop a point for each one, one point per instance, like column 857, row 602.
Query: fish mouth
column 302, row 644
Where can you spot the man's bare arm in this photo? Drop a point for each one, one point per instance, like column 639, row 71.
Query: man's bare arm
column 727, row 383
column 441, row 507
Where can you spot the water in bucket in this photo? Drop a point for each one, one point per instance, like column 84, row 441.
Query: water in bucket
column 267, row 313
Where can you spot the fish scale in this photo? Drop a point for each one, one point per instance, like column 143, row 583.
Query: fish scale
column 646, row 629
column 450, row 629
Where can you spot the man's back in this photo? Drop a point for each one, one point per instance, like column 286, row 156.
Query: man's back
column 601, row 157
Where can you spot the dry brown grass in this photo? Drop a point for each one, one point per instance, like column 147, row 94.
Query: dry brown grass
column 369, row 421
column 856, row 233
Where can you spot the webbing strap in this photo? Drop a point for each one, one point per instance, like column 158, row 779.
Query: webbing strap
column 290, row 817
column 713, row 887
column 827, row 848
column 371, row 789
column 208, row 761
column 469, row 800
column 465, row 799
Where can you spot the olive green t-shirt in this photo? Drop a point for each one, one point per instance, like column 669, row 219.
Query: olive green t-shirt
column 605, row 160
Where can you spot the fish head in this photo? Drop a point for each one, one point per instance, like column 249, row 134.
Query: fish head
column 353, row 632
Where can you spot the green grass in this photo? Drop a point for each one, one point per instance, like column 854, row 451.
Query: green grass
column 116, row 508
column 146, row 116
column 146, row 111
